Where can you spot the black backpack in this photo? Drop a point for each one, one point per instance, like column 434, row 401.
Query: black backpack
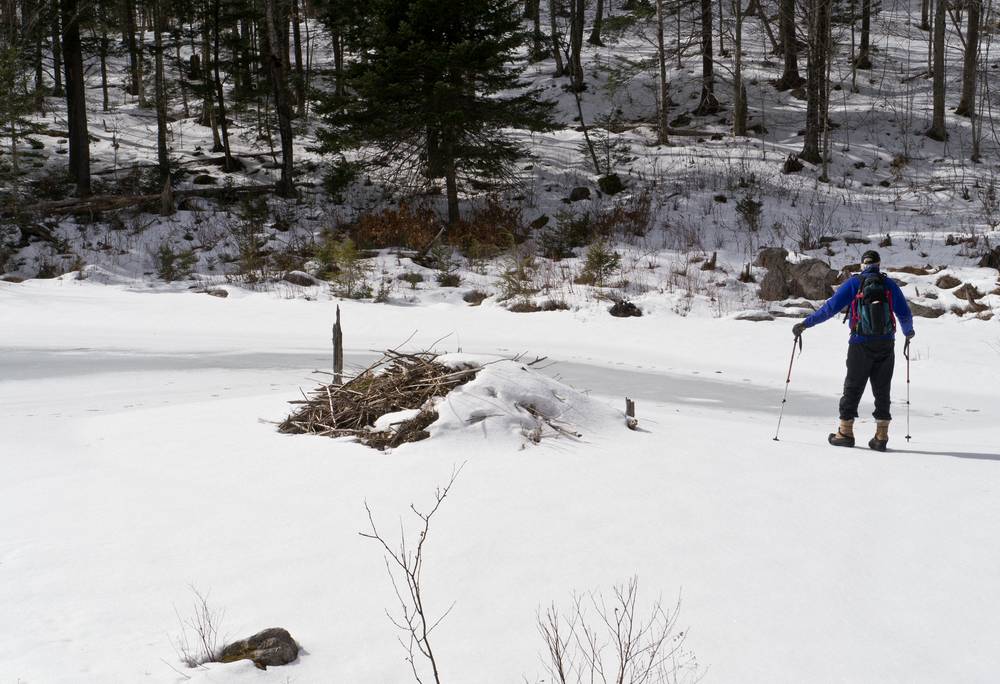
column 871, row 311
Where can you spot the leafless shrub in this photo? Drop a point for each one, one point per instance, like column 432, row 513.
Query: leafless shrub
column 200, row 640
column 614, row 641
column 405, row 565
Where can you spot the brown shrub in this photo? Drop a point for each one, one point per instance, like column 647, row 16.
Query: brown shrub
column 489, row 229
column 408, row 226
column 633, row 217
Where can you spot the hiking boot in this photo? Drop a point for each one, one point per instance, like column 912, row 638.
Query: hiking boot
column 844, row 436
column 881, row 438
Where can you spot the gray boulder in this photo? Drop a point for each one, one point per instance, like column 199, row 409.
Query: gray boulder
column 300, row 278
column 771, row 257
column 774, row 286
column 274, row 646
column 812, row 279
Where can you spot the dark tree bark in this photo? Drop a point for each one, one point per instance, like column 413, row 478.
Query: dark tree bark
column 76, row 97
column 229, row 164
column 864, row 60
column 937, row 130
column 925, row 15
column 300, row 77
column 179, row 63
column 39, row 72
column 816, row 86
column 556, row 47
column 338, row 63
column 160, row 92
column 451, row 190
column 967, row 103
column 577, row 18
column 707, row 104
column 102, row 53
column 739, row 91
column 537, row 37
column 207, row 85
column 57, row 65
column 275, row 15
column 595, row 32
column 128, row 34
column 661, row 58
column 790, row 78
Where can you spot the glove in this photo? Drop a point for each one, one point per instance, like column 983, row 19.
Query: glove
column 910, row 335
column 798, row 329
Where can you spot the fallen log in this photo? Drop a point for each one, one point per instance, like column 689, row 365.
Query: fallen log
column 100, row 203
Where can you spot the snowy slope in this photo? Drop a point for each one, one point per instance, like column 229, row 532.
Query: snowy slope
column 137, row 462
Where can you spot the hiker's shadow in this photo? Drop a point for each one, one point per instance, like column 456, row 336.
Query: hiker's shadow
column 955, row 454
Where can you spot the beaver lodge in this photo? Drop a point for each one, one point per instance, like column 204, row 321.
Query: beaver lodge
column 388, row 404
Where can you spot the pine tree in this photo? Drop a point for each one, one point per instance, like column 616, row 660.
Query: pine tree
column 432, row 90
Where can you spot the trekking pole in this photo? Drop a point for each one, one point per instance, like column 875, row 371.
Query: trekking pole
column 797, row 340
column 906, row 353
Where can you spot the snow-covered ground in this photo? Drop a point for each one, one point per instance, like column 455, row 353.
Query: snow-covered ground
column 139, row 460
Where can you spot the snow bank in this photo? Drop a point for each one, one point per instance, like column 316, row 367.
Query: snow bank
column 511, row 401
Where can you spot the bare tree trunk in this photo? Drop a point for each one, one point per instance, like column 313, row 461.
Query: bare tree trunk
column 207, row 85
column 160, row 92
column 967, row 104
column 300, row 78
column 39, row 73
column 739, row 90
column 451, row 190
column 556, row 47
column 275, row 15
column 766, row 24
column 722, row 44
column 338, row 63
column 577, row 17
column 595, row 33
column 786, row 27
column 537, row 37
column 102, row 53
column 937, row 130
column 128, row 33
column 140, row 87
column 661, row 58
column 57, row 65
column 76, row 97
column 816, row 71
column 180, row 70
column 925, row 15
column 708, row 104
column 229, row 165
column 864, row 60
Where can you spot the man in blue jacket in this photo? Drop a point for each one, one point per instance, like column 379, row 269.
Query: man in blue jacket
column 873, row 301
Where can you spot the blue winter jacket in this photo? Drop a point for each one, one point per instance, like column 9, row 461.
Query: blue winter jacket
column 846, row 293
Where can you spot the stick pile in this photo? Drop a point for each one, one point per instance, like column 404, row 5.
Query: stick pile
column 396, row 382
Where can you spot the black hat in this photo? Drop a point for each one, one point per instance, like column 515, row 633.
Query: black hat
column 870, row 257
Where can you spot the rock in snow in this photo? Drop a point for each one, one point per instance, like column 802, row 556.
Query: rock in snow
column 274, row 646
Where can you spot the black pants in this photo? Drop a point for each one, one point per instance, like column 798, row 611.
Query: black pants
column 869, row 361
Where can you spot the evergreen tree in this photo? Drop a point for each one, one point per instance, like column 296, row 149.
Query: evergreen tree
column 434, row 89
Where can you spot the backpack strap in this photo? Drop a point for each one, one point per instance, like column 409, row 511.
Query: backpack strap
column 851, row 310
column 888, row 298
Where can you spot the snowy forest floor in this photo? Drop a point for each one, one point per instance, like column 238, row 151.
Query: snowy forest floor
column 139, row 460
